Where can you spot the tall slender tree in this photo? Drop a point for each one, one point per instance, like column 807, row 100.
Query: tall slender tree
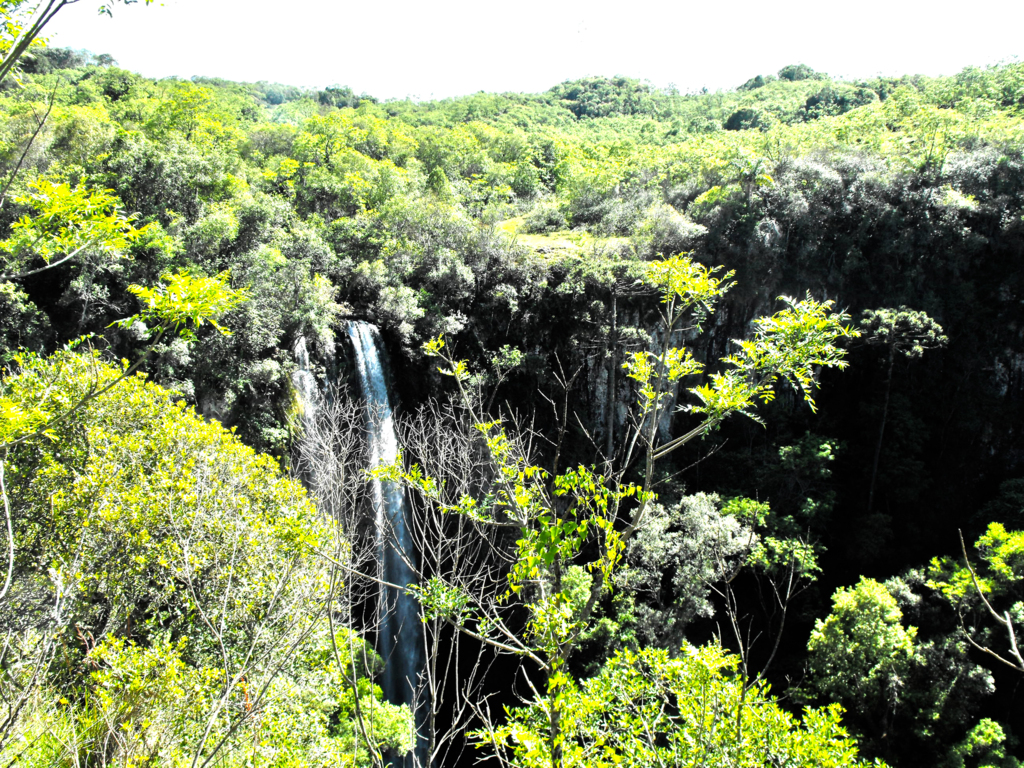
column 905, row 332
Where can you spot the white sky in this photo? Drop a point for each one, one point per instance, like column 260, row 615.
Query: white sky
column 453, row 47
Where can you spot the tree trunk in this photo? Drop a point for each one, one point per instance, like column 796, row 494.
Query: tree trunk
column 611, row 398
column 881, row 430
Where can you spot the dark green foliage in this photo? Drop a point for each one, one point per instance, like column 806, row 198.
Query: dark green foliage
column 331, row 96
column 837, row 100
column 45, row 60
column 758, row 81
column 794, row 72
column 602, row 97
column 1007, row 507
column 161, row 180
column 744, row 119
column 911, row 693
column 116, row 83
column 275, row 93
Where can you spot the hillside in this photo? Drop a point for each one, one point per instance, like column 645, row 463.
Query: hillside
column 520, row 227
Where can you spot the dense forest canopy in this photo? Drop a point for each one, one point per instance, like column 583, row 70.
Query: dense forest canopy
column 847, row 579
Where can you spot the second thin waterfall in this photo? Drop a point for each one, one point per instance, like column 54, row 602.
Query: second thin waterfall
column 399, row 634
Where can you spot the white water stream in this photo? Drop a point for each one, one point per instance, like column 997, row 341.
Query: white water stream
column 399, row 629
column 399, row 636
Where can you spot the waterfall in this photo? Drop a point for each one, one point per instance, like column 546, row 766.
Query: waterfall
column 399, row 633
column 306, row 390
column 399, row 638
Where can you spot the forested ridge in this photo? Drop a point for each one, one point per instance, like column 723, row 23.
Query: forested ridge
column 559, row 280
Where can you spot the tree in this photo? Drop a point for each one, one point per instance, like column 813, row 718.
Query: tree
column 904, row 331
column 705, row 546
column 648, row 708
column 181, row 305
column 945, row 686
column 65, row 221
column 186, row 110
column 890, row 655
column 976, row 592
column 169, row 590
column 862, row 654
column 795, row 72
column 984, row 746
column 557, row 535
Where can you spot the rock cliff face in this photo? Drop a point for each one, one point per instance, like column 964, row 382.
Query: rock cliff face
column 1008, row 374
column 846, row 229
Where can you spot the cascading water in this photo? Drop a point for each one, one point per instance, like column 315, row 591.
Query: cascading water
column 307, row 392
column 399, row 634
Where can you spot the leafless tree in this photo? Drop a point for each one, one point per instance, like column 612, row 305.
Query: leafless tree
column 332, row 460
column 469, row 555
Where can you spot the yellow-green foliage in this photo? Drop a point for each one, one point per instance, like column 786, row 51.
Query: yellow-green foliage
column 144, row 705
column 862, row 650
column 168, row 582
column 65, row 221
column 1000, row 571
column 647, row 708
column 139, row 492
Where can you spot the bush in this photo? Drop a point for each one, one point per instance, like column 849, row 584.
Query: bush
column 545, row 216
column 168, row 585
column 666, row 231
column 646, row 708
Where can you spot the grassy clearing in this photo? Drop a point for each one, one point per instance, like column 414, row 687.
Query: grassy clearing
column 566, row 242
